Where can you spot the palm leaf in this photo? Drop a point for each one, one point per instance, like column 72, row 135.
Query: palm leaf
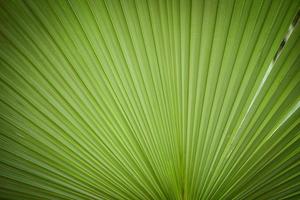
column 149, row 99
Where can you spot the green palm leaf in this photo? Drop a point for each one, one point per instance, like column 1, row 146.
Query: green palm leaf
column 149, row 99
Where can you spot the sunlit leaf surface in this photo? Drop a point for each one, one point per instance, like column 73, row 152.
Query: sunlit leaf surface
column 156, row 99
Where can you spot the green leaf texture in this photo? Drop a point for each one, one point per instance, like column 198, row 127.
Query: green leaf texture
column 149, row 99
